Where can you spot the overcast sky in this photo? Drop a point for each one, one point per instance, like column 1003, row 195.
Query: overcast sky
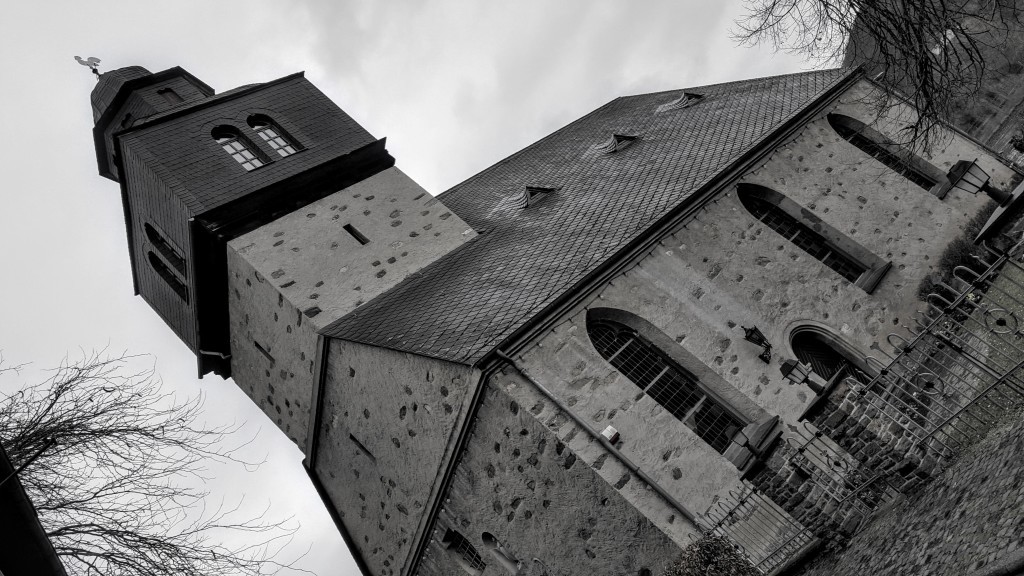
column 454, row 85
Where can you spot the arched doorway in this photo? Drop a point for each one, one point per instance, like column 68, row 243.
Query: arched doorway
column 828, row 358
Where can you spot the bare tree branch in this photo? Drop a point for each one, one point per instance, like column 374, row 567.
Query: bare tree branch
column 930, row 53
column 117, row 493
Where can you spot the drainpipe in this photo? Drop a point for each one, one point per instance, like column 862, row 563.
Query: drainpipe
column 604, row 442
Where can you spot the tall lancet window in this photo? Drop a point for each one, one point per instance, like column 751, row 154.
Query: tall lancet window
column 881, row 148
column 273, row 135
column 809, row 233
column 670, row 385
column 238, row 147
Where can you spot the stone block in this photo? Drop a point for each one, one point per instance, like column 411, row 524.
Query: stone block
column 850, row 524
column 833, row 420
column 858, row 411
column 793, row 502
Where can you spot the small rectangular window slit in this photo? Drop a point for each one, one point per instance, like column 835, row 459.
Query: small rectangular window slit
column 355, row 234
column 362, row 448
column 264, row 352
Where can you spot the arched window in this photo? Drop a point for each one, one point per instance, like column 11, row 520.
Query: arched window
column 272, row 135
column 812, row 235
column 463, row 552
column 492, row 545
column 881, row 148
column 169, row 252
column 168, row 276
column 238, row 147
column 670, row 385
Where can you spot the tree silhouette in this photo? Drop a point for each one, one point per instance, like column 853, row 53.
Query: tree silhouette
column 931, row 54
column 117, row 475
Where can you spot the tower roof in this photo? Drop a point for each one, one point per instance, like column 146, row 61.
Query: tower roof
column 110, row 84
column 470, row 301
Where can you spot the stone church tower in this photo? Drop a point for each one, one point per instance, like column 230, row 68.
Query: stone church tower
column 542, row 370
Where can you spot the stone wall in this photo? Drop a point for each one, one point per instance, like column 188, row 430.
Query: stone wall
column 530, row 480
column 723, row 270
column 297, row 274
column 386, row 434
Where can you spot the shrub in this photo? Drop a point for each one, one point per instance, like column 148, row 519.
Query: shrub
column 711, row 556
column 961, row 251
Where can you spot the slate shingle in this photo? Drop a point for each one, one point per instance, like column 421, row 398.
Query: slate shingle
column 465, row 304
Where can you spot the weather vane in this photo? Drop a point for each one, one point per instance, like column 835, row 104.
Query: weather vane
column 92, row 62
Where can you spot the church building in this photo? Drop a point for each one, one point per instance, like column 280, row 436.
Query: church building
column 558, row 365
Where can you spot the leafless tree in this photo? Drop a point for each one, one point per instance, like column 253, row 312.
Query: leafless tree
column 931, row 54
column 117, row 475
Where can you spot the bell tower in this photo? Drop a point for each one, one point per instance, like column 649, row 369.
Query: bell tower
column 257, row 216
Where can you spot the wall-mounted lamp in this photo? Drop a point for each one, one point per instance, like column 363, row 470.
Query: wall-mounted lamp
column 755, row 336
column 968, row 177
column 799, row 373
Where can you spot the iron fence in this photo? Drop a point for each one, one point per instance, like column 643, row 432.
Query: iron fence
column 759, row 528
column 959, row 370
column 946, row 382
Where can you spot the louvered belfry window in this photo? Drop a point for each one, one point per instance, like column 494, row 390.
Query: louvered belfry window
column 238, row 147
column 806, row 239
column 165, row 248
column 168, row 276
column 670, row 385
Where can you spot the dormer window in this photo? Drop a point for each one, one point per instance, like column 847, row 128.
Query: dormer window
column 616, row 143
column 533, row 194
column 170, row 96
column 272, row 135
column 237, row 146
column 685, row 100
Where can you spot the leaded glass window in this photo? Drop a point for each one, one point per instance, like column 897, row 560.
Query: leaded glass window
column 874, row 144
column 237, row 147
column 272, row 135
column 667, row 383
column 804, row 238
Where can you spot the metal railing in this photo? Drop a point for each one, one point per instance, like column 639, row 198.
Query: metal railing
column 960, row 369
column 945, row 384
column 764, row 533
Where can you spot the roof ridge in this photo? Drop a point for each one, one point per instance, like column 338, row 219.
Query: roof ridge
column 745, row 81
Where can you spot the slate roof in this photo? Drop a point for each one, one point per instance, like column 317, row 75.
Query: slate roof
column 466, row 303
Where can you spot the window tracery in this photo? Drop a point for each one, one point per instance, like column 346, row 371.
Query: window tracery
column 272, row 134
column 667, row 383
column 238, row 147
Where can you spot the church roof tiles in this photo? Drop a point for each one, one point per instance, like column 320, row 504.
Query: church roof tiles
column 468, row 302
